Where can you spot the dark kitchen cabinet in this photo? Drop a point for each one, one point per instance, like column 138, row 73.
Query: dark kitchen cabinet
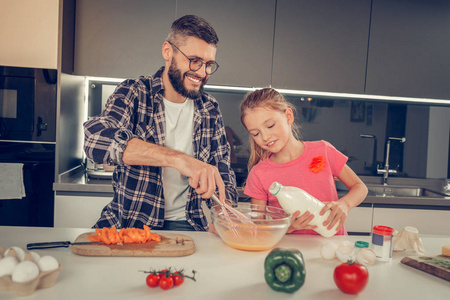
column 321, row 45
column 245, row 30
column 409, row 49
column 121, row 39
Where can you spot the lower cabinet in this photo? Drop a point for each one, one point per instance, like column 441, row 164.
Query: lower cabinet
column 359, row 220
column 427, row 221
column 78, row 211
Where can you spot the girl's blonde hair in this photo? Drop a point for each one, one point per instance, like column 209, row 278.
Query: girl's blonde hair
column 270, row 98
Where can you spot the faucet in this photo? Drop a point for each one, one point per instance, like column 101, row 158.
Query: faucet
column 386, row 171
column 373, row 168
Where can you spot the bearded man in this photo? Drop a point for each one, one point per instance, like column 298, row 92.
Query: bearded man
column 166, row 138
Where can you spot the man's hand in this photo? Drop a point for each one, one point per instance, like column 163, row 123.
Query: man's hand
column 203, row 177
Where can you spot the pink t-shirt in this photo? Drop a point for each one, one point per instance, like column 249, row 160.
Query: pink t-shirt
column 297, row 173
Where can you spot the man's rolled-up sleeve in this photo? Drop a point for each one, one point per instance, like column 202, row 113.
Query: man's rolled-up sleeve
column 106, row 136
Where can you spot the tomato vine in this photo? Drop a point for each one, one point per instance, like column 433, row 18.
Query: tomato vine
column 166, row 279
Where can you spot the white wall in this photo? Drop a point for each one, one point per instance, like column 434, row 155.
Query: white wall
column 29, row 33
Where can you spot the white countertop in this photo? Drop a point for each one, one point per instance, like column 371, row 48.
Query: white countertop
column 223, row 272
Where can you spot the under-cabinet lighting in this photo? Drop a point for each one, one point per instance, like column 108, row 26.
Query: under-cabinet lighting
column 229, row 88
column 106, row 79
column 303, row 93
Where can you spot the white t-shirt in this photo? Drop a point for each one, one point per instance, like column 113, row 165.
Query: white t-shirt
column 179, row 132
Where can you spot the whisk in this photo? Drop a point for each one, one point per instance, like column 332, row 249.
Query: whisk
column 227, row 208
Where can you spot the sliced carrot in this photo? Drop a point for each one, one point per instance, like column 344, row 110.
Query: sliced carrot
column 128, row 240
column 156, row 237
column 94, row 238
column 104, row 237
column 135, row 235
column 122, row 233
column 148, row 234
column 105, row 240
column 114, row 236
column 125, row 235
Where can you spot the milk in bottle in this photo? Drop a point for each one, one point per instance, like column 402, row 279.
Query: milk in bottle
column 294, row 199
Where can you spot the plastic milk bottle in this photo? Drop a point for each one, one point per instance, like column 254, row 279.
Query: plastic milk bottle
column 294, row 199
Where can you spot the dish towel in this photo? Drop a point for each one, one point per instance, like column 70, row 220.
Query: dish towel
column 11, row 181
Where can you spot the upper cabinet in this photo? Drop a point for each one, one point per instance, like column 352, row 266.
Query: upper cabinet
column 245, row 30
column 375, row 47
column 321, row 45
column 29, row 33
column 121, row 39
column 117, row 40
column 409, row 50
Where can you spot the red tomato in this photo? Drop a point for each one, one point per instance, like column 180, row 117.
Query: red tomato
column 178, row 279
column 165, row 282
column 153, row 280
column 351, row 278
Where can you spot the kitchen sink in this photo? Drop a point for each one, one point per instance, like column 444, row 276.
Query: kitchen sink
column 401, row 191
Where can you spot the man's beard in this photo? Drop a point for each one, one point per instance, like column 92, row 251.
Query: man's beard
column 176, row 79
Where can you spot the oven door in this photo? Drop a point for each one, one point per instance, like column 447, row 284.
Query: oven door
column 37, row 207
column 16, row 107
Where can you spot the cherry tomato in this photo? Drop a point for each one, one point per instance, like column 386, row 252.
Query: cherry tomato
column 153, row 280
column 165, row 282
column 351, row 278
column 178, row 278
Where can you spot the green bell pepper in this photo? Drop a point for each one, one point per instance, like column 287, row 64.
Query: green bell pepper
column 284, row 270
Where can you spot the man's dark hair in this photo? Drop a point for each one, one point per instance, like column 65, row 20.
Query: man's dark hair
column 195, row 26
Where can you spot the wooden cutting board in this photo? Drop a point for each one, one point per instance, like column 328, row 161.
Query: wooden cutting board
column 426, row 264
column 171, row 244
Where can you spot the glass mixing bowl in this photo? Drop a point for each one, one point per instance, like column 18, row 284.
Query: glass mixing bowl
column 264, row 228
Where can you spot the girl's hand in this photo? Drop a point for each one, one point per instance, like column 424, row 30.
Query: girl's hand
column 301, row 222
column 338, row 214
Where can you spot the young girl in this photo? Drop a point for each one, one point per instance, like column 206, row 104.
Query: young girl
column 278, row 155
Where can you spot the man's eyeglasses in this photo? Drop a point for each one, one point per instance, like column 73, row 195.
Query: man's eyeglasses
column 195, row 63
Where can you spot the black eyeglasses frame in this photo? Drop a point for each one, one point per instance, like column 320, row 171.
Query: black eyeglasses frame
column 194, row 60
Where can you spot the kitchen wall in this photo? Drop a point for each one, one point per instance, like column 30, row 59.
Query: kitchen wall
column 96, row 26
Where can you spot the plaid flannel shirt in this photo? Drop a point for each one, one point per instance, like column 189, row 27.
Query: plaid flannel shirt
column 136, row 109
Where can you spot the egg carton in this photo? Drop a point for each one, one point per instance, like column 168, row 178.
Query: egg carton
column 45, row 279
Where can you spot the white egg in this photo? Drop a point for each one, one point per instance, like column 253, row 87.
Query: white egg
column 345, row 251
column 20, row 254
column 35, row 256
column 48, row 263
column 7, row 265
column 328, row 250
column 366, row 257
column 25, row 271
